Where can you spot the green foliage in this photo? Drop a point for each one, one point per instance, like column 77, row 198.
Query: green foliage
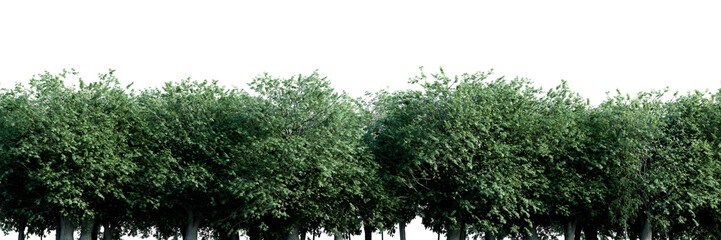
column 465, row 146
column 311, row 160
column 68, row 146
column 469, row 152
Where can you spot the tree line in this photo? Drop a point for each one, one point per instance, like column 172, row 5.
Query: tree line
column 472, row 155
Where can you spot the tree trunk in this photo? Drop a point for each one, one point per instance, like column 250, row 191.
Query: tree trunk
column 590, row 232
column 86, row 229
column 107, row 231
column 453, row 234
column 489, row 236
column 294, row 234
column 571, row 229
column 65, row 229
column 579, row 229
column 191, row 230
column 21, row 230
column 368, row 232
column 96, row 230
column 337, row 236
column 402, row 230
column 462, row 231
column 646, row 232
column 303, row 234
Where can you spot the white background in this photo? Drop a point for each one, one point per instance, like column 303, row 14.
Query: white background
column 369, row 45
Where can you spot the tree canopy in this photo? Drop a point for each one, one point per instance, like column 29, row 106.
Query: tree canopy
column 473, row 154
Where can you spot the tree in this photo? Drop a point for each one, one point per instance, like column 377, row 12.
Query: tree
column 692, row 122
column 396, row 199
column 18, row 195
column 572, row 186
column 463, row 144
column 187, row 146
column 657, row 169
column 73, row 152
column 310, row 162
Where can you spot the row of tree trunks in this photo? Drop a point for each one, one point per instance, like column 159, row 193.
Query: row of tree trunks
column 89, row 231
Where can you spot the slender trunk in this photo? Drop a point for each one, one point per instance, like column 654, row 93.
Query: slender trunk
column 463, row 231
column 96, row 230
column 489, row 236
column 107, row 231
column 235, row 235
column 191, row 230
column 294, row 234
column 402, row 230
column 625, row 232
column 86, row 229
column 337, row 235
column 646, row 232
column 21, row 230
column 382, row 234
column 303, row 234
column 571, row 229
column 65, row 230
column 368, row 230
column 579, row 228
column 590, row 232
column 453, row 233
